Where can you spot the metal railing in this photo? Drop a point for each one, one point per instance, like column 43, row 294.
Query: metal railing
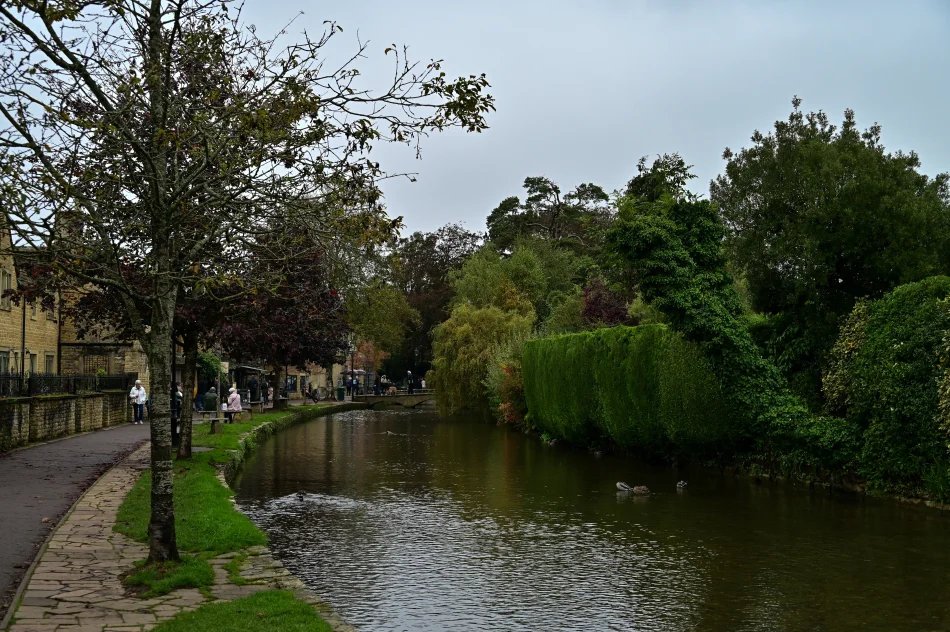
column 31, row 385
column 11, row 384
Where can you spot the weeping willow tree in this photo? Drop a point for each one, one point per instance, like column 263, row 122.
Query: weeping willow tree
column 463, row 349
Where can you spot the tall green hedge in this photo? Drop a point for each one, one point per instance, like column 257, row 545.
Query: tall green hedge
column 644, row 388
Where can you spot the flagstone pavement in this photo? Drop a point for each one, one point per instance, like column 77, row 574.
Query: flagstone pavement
column 76, row 585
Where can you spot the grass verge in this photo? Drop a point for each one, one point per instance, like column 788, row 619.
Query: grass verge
column 162, row 578
column 262, row 612
column 207, row 524
column 205, row 519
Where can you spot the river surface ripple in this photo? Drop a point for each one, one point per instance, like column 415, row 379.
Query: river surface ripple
column 409, row 522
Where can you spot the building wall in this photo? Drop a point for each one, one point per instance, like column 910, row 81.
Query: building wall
column 29, row 419
column 39, row 345
column 106, row 352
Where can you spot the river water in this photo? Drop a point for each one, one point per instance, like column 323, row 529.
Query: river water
column 409, row 522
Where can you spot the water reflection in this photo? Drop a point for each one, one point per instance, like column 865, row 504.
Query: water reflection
column 412, row 523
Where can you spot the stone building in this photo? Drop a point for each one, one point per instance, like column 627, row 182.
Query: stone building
column 33, row 340
column 29, row 335
column 94, row 352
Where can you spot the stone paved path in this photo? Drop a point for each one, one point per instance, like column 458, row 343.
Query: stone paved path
column 76, row 585
column 43, row 482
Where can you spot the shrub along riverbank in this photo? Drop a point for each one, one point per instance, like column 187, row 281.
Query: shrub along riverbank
column 649, row 391
column 643, row 388
column 207, row 524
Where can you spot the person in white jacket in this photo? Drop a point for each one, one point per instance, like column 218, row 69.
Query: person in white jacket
column 234, row 404
column 138, row 397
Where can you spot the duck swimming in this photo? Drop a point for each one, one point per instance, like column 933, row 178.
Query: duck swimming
column 640, row 490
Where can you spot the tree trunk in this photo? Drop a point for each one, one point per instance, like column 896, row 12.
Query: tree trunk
column 188, row 383
column 161, row 527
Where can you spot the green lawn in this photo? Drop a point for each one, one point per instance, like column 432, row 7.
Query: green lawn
column 205, row 519
column 266, row 611
column 206, row 523
column 161, row 579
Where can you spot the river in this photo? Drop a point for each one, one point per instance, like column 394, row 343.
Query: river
column 409, row 522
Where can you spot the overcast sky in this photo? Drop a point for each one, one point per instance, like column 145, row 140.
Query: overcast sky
column 583, row 89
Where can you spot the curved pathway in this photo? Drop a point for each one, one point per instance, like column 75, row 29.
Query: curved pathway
column 39, row 484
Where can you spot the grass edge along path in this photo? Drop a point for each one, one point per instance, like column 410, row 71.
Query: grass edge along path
column 262, row 612
column 206, row 521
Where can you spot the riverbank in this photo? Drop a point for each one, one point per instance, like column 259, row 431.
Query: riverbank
column 82, row 576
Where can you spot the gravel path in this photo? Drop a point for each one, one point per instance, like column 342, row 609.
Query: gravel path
column 43, row 482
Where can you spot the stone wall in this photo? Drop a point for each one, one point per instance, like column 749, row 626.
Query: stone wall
column 28, row 419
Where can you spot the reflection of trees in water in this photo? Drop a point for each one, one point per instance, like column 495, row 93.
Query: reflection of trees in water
column 486, row 509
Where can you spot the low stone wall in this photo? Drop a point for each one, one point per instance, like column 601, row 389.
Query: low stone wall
column 29, row 419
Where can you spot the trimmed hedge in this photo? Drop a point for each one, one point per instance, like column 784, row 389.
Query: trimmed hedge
column 644, row 388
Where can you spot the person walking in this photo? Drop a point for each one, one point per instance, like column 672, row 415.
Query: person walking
column 178, row 398
column 422, row 384
column 254, row 389
column 270, row 393
column 234, row 404
column 378, row 385
column 410, row 384
column 138, row 397
column 211, row 401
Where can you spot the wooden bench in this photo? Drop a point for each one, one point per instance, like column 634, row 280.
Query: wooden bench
column 258, row 405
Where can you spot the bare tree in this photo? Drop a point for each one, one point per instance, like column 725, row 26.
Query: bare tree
column 167, row 135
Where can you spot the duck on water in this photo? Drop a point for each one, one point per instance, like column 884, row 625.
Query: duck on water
column 643, row 490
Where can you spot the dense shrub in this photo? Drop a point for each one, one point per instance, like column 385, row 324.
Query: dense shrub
column 644, row 388
column 674, row 249
column 504, row 382
column 885, row 375
column 463, row 348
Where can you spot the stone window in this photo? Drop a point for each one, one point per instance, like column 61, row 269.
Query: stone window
column 16, row 361
column 50, row 364
column 33, row 311
column 4, row 361
column 32, row 363
column 6, row 283
column 51, row 314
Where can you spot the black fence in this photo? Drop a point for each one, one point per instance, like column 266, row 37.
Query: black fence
column 18, row 385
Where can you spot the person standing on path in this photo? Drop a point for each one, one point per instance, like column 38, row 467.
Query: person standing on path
column 410, row 384
column 234, row 404
column 378, row 385
column 138, row 397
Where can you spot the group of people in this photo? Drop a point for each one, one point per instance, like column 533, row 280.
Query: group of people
column 140, row 402
column 230, row 408
column 382, row 384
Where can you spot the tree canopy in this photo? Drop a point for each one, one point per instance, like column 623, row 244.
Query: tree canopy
column 818, row 216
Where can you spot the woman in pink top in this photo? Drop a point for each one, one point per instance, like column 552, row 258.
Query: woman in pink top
column 234, row 404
